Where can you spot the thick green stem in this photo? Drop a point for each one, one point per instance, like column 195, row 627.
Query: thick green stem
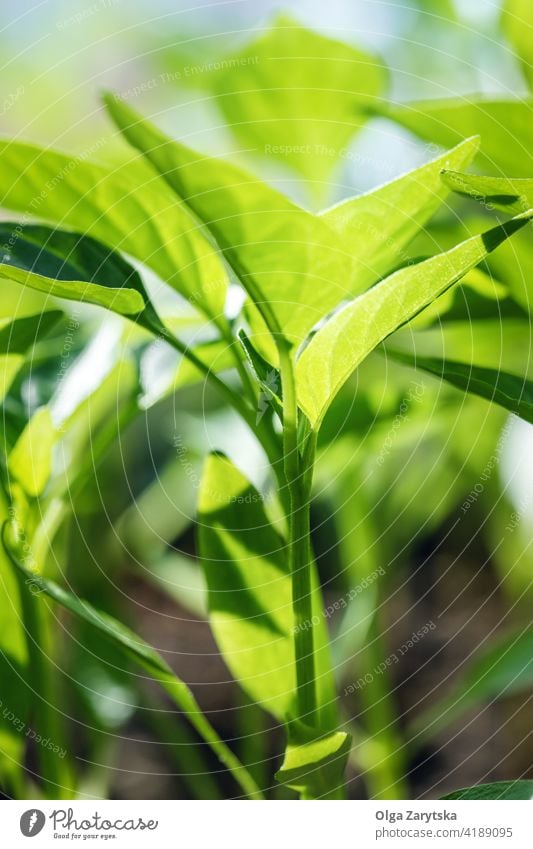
column 55, row 771
column 298, row 474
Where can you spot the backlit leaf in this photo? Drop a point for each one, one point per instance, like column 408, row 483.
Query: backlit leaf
column 314, row 763
column 288, row 259
column 125, row 207
column 355, row 330
column 296, row 266
column 249, row 594
column 378, row 226
column 72, row 266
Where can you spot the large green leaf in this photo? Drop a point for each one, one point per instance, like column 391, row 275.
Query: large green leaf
column 355, row 330
column 501, row 670
column 510, row 391
column 510, row 195
column 296, row 266
column 289, row 261
column 249, row 594
column 125, row 207
column 505, row 127
column 294, row 95
column 144, row 655
column 69, row 265
column 517, row 23
column 499, row 790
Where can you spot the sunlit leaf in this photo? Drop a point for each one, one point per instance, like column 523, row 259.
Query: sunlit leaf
column 355, row 330
column 288, row 259
column 249, row 593
column 13, row 673
column 378, row 226
column 124, row 207
column 70, row 265
column 296, row 266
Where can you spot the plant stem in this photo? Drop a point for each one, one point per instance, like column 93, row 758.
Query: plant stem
column 298, row 474
column 55, row 772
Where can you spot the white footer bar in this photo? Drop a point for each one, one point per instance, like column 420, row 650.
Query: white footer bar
column 267, row 825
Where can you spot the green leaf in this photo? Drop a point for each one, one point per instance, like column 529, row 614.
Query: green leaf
column 314, row 763
column 72, row 266
column 136, row 649
column 16, row 337
column 19, row 334
column 517, row 24
column 510, row 195
column 125, row 207
column 503, row 669
column 355, row 330
column 297, row 267
column 505, row 128
column 249, row 594
column 288, row 259
column 499, row 790
column 379, row 225
column 30, row 461
column 510, row 391
column 294, row 95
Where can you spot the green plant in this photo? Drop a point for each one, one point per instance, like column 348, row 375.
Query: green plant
column 323, row 295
